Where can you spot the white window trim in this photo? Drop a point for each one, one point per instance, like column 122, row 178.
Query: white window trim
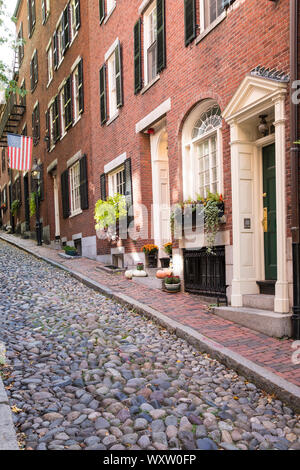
column 115, row 163
column 154, row 116
column 47, row 52
column 75, row 64
column 152, row 5
column 205, row 31
column 111, row 175
column 74, row 212
column 111, row 49
column 74, row 159
column 110, row 12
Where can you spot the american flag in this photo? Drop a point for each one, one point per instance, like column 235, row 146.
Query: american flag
column 19, row 152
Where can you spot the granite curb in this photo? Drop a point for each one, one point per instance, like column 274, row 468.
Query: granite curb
column 263, row 378
column 8, row 437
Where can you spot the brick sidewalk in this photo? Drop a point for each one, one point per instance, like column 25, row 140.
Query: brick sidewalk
column 271, row 353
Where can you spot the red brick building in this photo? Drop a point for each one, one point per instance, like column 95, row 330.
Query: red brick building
column 162, row 101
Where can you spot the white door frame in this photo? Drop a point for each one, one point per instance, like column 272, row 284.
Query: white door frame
column 56, row 205
column 254, row 96
column 159, row 163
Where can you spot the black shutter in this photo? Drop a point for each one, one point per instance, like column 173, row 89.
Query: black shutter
column 56, row 119
column 103, row 187
column 226, row 3
column 103, row 111
column 47, row 115
column 33, row 12
column 161, row 36
column 65, row 30
column 128, row 188
column 42, row 183
column 101, row 10
column 44, row 11
column 37, row 111
column 80, row 87
column 65, row 194
column 77, row 13
column 33, row 127
column 55, row 50
column 119, row 85
column 84, row 195
column 137, row 57
column 35, row 68
column 29, row 17
column 31, row 76
column 189, row 20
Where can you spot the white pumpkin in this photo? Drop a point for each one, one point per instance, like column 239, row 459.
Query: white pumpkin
column 128, row 274
column 138, row 273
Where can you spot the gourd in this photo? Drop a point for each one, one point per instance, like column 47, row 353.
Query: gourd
column 161, row 274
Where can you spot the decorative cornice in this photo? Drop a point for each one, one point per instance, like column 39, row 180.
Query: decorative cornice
column 271, row 74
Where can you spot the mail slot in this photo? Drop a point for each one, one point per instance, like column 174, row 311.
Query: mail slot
column 265, row 219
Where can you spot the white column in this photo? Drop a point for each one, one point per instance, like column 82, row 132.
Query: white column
column 281, row 304
column 236, row 296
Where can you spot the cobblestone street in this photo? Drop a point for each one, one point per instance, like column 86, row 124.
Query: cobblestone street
column 87, row 373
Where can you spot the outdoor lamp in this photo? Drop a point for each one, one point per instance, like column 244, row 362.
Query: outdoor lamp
column 263, row 125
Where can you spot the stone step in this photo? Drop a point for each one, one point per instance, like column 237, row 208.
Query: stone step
column 273, row 324
column 260, row 301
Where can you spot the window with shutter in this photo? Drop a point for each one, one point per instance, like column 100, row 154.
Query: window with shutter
column 189, row 20
column 137, row 57
column 112, row 85
column 55, row 51
column 77, row 13
column 65, row 30
column 150, row 43
column 80, row 87
column 65, row 194
column 210, row 10
column 36, row 124
column 31, row 16
column 102, row 79
column 48, row 135
column 128, row 190
column 23, row 94
column 56, row 119
column 118, row 64
column 20, row 45
column 31, row 76
column 161, row 36
column 68, row 103
column 35, row 68
column 74, row 178
column 101, row 10
column 50, row 63
column 45, row 10
column 84, row 196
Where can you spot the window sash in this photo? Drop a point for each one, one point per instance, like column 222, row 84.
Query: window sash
column 210, row 10
column 207, row 171
column 150, row 43
column 117, row 182
column 112, row 86
column 74, row 173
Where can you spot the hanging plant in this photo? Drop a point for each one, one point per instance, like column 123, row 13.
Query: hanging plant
column 15, row 206
column 108, row 213
column 32, row 204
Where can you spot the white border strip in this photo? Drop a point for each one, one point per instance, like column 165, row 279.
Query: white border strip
column 115, row 163
column 152, row 117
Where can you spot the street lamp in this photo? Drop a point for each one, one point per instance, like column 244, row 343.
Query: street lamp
column 36, row 175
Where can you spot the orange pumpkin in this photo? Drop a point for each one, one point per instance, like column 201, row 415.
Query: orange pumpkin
column 161, row 274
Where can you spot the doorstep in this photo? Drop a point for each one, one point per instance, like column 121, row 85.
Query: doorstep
column 277, row 325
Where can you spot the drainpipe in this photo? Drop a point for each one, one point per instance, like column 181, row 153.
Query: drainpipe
column 295, row 153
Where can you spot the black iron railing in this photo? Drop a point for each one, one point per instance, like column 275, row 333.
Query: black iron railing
column 205, row 274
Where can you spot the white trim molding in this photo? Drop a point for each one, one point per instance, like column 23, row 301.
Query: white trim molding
column 115, row 163
column 74, row 159
column 112, row 48
column 52, row 166
column 154, row 116
column 255, row 96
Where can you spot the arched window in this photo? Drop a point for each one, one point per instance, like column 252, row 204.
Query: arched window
column 202, row 168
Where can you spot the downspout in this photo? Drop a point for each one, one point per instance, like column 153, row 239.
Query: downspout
column 294, row 154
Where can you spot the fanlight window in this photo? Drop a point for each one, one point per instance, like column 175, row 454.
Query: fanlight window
column 209, row 120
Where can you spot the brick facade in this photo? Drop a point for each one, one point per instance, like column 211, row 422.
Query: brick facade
column 212, row 66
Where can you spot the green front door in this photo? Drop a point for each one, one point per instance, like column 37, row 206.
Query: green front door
column 269, row 204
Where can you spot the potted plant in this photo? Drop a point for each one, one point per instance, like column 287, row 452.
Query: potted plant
column 70, row 250
column 150, row 251
column 32, row 204
column 172, row 283
column 108, row 214
column 15, row 206
column 213, row 211
column 165, row 262
column 140, row 266
column 3, row 206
